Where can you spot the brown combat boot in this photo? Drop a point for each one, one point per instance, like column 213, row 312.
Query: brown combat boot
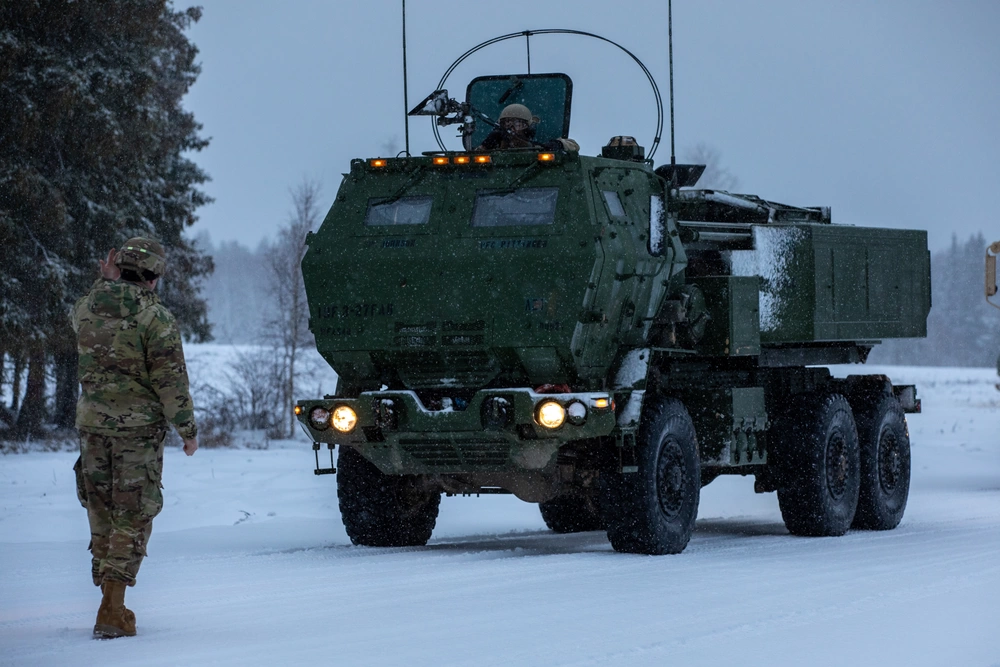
column 113, row 619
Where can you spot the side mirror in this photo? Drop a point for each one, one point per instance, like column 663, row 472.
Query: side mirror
column 435, row 104
column 991, row 272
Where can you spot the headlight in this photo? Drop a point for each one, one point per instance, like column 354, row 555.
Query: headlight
column 344, row 419
column 319, row 418
column 550, row 414
column 576, row 413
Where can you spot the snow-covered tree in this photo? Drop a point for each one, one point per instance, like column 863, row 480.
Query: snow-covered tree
column 716, row 177
column 288, row 329
column 93, row 149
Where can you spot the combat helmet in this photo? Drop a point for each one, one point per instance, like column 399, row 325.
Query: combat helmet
column 520, row 112
column 141, row 254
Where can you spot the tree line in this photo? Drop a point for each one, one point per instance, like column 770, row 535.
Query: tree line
column 94, row 149
column 962, row 329
column 257, row 303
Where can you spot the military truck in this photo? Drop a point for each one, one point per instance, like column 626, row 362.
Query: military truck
column 597, row 335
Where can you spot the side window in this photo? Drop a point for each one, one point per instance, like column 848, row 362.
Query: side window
column 615, row 207
column 525, row 206
column 403, row 211
column 657, row 226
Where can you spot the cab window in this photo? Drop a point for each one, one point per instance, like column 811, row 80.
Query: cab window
column 657, row 226
column 615, row 207
column 402, row 211
column 525, row 206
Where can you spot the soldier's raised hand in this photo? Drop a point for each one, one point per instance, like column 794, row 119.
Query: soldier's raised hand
column 108, row 269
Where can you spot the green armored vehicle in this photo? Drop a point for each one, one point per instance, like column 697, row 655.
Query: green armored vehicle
column 598, row 336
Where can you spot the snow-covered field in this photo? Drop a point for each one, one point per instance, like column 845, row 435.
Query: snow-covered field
column 249, row 565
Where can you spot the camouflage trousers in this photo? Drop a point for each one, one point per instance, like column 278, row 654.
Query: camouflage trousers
column 118, row 482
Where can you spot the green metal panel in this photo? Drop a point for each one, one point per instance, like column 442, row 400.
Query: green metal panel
column 733, row 329
column 876, row 283
column 446, row 303
column 444, row 298
column 827, row 283
column 728, row 421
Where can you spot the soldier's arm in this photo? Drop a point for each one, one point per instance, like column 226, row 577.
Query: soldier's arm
column 491, row 141
column 168, row 374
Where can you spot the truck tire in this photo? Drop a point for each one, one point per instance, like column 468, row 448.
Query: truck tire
column 571, row 513
column 819, row 465
column 382, row 510
column 885, row 463
column 653, row 510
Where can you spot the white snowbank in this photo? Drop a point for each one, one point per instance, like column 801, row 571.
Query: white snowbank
column 249, row 565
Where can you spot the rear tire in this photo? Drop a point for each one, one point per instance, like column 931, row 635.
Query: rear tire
column 571, row 513
column 382, row 510
column 819, row 462
column 653, row 511
column 885, row 463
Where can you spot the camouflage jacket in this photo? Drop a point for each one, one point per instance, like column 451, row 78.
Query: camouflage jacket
column 132, row 368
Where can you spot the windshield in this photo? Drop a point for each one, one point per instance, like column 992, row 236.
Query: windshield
column 548, row 96
column 403, row 211
column 526, row 206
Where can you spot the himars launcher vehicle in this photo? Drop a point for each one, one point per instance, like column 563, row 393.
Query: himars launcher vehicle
column 599, row 337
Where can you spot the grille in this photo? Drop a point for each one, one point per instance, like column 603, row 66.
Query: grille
column 460, row 454
column 462, row 339
column 411, row 329
column 443, row 368
column 475, row 325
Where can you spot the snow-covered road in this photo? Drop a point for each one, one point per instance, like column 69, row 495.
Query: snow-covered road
column 249, row 564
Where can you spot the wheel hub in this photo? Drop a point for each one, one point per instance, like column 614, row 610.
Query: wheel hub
column 670, row 479
column 890, row 461
column 836, row 465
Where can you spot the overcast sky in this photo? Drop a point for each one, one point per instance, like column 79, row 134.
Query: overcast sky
column 887, row 111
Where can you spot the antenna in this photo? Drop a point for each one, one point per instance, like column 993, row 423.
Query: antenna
column 406, row 102
column 527, row 44
column 670, row 49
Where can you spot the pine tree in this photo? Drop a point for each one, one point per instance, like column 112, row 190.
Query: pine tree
column 93, row 141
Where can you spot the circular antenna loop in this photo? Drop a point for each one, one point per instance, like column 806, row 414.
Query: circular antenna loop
column 557, row 31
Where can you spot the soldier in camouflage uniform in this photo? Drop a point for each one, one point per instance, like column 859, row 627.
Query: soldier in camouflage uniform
column 516, row 129
column 134, row 385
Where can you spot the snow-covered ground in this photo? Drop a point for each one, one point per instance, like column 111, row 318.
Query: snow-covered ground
column 249, row 565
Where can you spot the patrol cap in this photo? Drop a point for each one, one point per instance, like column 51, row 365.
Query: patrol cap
column 518, row 111
column 142, row 254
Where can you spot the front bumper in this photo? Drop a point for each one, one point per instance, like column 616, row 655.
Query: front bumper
column 496, row 432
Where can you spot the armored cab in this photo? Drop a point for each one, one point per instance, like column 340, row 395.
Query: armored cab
column 597, row 335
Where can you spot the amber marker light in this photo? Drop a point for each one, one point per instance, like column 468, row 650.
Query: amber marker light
column 546, row 157
column 550, row 414
column 483, row 159
column 344, row 419
column 298, row 410
column 602, row 403
column 377, row 163
column 440, row 160
column 461, row 159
